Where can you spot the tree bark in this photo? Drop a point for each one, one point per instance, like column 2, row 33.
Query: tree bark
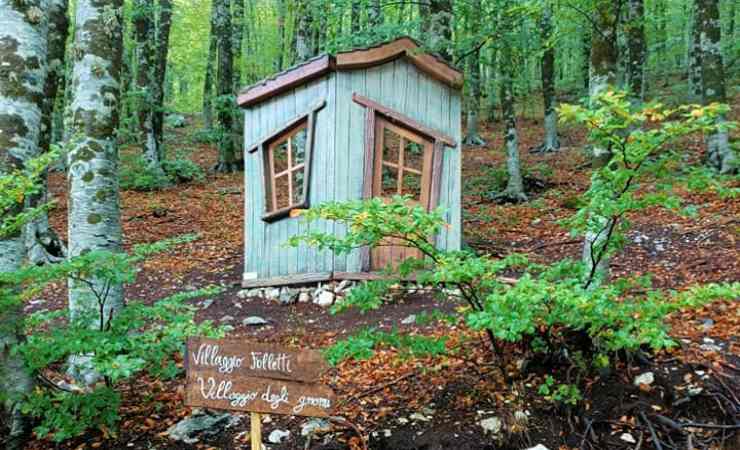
column 94, row 219
column 437, row 26
column 551, row 142
column 514, row 191
column 148, row 87
column 720, row 155
column 23, row 71
column 602, row 75
column 586, row 61
column 472, row 135
column 375, row 15
column 162, row 47
column 238, row 34
column 636, row 49
column 224, row 109
column 280, row 60
column 695, row 55
column 354, row 17
column 43, row 245
column 210, row 71
column 304, row 30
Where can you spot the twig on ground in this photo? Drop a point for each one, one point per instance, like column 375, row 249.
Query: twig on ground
column 653, row 434
column 555, row 244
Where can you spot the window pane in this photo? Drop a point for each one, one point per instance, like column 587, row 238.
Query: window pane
column 299, row 146
column 297, row 186
column 411, row 185
column 389, row 182
column 280, row 156
column 413, row 156
column 281, row 191
column 391, row 145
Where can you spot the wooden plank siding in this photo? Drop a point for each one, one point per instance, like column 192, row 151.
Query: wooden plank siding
column 338, row 163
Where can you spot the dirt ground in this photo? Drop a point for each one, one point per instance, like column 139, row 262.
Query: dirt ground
column 455, row 392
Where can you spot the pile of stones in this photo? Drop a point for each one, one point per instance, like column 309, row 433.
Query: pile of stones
column 325, row 294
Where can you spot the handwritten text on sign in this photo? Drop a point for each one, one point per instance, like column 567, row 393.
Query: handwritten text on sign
column 260, row 395
column 237, row 358
column 238, row 375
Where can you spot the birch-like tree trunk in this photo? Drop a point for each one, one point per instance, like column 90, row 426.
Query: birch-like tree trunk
column 43, row 245
column 162, row 38
column 694, row 57
column 210, row 73
column 94, row 218
column 636, row 49
column 224, row 109
column 603, row 74
column 514, row 191
column 551, row 142
column 147, row 78
column 436, row 22
column 720, row 155
column 23, row 71
column 375, row 14
column 303, row 32
column 472, row 134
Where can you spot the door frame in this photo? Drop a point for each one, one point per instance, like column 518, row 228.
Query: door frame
column 374, row 111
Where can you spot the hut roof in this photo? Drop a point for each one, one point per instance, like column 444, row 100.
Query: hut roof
column 407, row 47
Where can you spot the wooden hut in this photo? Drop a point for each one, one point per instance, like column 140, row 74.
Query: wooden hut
column 377, row 121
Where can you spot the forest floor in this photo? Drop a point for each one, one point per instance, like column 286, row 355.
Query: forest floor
column 437, row 403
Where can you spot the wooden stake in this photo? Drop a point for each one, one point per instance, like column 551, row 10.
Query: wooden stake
column 255, row 430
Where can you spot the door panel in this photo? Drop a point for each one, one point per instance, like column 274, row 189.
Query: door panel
column 402, row 166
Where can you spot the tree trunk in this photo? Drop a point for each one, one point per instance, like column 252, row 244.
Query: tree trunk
column 303, row 32
column 602, row 75
column 162, row 47
column 694, row 66
column 23, row 58
column 515, row 186
column 551, row 142
column 636, row 49
column 375, row 15
column 437, row 26
column 43, row 245
column 354, row 17
column 586, row 61
column 224, row 109
column 472, row 135
column 720, row 155
column 492, row 84
column 280, row 60
column 238, row 33
column 210, row 71
column 94, row 218
column 147, row 87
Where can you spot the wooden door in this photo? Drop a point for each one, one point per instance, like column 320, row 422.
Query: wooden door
column 402, row 166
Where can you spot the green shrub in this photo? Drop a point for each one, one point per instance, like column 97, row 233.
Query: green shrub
column 183, row 170
column 138, row 339
column 137, row 175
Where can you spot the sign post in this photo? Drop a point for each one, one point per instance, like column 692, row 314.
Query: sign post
column 239, row 375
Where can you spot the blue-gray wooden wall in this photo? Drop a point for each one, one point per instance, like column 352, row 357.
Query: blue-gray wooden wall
column 338, row 159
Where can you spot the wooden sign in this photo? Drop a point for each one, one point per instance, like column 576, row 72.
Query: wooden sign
column 242, row 376
column 259, row 395
column 238, row 359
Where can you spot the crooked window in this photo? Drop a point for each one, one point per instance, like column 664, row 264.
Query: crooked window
column 286, row 157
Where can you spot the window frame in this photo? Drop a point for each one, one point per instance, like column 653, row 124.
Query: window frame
column 374, row 112
column 265, row 148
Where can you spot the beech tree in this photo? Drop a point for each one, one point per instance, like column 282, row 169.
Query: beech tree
column 210, row 73
column 93, row 208
column 636, row 48
column 603, row 73
column 551, row 142
column 719, row 154
column 42, row 242
column 436, row 18
column 224, row 105
column 23, row 62
column 472, row 136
